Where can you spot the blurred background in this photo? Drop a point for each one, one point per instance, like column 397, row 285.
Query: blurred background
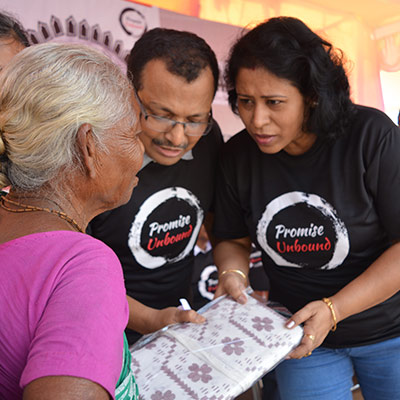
column 368, row 31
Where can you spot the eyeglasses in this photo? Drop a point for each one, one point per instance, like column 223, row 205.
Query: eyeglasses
column 165, row 125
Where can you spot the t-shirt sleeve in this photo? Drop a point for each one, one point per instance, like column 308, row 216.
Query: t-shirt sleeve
column 80, row 332
column 229, row 221
column 383, row 180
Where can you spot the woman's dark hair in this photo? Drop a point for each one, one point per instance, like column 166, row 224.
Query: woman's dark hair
column 12, row 28
column 184, row 53
column 287, row 48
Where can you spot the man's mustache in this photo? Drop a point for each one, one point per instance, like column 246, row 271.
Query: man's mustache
column 167, row 143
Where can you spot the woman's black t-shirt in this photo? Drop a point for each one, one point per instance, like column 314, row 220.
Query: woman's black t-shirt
column 320, row 218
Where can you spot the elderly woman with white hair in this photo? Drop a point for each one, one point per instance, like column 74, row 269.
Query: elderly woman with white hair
column 69, row 150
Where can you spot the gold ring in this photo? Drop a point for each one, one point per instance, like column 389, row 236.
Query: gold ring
column 308, row 354
column 311, row 337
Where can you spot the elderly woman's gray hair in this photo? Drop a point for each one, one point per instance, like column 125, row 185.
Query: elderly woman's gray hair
column 47, row 92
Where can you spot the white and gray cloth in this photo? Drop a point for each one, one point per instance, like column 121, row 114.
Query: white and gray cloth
column 217, row 360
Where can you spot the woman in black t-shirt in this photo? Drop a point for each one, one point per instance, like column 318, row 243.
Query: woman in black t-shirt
column 314, row 181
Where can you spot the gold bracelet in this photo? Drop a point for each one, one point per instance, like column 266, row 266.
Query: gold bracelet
column 237, row 271
column 328, row 302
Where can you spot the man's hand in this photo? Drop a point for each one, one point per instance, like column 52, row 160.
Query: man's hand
column 174, row 315
column 144, row 319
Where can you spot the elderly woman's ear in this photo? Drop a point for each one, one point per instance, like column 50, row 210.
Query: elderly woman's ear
column 87, row 149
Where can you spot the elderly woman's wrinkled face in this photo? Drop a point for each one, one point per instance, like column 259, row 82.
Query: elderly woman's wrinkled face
column 9, row 47
column 272, row 110
column 123, row 161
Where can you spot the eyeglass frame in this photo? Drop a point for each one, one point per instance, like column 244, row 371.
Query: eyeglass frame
column 173, row 122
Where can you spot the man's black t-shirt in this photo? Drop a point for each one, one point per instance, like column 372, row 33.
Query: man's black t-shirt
column 320, row 218
column 155, row 232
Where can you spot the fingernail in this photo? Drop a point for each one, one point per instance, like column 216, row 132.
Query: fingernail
column 242, row 299
column 290, row 324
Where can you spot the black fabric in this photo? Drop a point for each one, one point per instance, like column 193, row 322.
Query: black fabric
column 205, row 277
column 257, row 277
column 155, row 232
column 320, row 218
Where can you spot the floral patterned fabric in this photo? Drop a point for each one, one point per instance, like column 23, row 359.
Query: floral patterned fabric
column 216, row 360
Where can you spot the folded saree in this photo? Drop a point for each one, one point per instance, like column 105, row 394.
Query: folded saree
column 217, row 360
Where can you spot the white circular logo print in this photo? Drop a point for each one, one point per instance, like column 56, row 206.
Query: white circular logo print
column 208, row 282
column 304, row 231
column 165, row 228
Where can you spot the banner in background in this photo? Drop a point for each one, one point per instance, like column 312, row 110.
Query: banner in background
column 113, row 26
column 109, row 26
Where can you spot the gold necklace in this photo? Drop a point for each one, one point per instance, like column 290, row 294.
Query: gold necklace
column 28, row 208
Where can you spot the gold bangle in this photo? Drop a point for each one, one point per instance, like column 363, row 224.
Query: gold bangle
column 328, row 302
column 237, row 271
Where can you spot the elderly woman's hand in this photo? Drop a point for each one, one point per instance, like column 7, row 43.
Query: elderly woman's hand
column 317, row 319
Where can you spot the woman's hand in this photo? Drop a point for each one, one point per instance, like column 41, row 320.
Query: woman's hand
column 234, row 284
column 317, row 319
column 377, row 283
column 232, row 260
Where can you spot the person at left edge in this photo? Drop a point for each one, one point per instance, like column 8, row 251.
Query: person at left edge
column 175, row 76
column 69, row 149
column 13, row 38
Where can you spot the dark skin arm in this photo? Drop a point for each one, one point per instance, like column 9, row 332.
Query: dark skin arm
column 228, row 255
column 145, row 319
column 377, row 283
column 208, row 224
column 64, row 388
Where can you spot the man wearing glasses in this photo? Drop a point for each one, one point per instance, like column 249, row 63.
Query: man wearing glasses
column 175, row 76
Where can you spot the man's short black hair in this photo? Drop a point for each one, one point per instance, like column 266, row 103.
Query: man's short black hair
column 184, row 53
column 12, row 28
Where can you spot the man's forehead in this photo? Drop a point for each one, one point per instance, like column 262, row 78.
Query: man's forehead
column 158, row 68
column 163, row 91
